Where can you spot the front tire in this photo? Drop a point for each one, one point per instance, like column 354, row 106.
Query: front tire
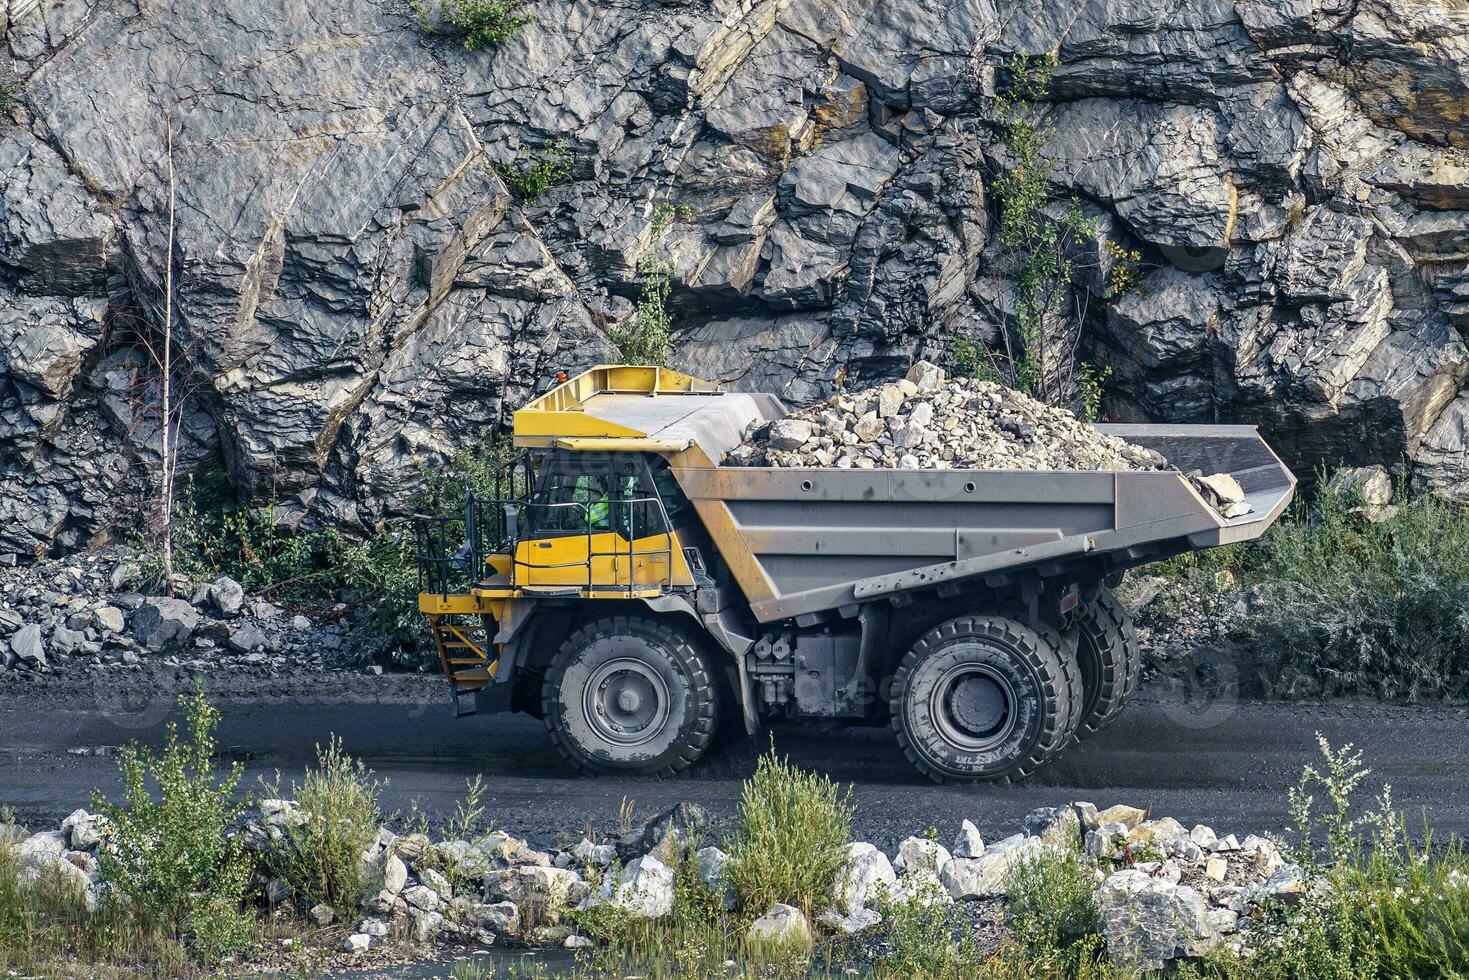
column 631, row 695
column 984, row 698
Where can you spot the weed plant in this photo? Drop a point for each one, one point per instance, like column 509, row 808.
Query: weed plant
column 791, row 843
column 322, row 855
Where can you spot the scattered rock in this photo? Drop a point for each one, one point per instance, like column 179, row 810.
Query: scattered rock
column 322, row 915
column 227, row 595
column 84, row 830
column 598, row 855
column 984, row 877
column 1149, row 921
column 162, row 623
column 682, row 822
column 712, row 863
column 357, row 943
column 783, row 927
column 850, row 924
column 921, row 854
column 108, row 619
column 968, row 844
column 643, row 889
column 27, row 646
column 247, row 638
column 866, row 878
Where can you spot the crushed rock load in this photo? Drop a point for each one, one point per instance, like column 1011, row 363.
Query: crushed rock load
column 926, row 422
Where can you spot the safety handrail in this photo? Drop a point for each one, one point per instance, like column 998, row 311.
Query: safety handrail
column 441, row 572
column 631, row 552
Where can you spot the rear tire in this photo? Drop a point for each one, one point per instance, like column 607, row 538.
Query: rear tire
column 984, row 698
column 631, row 695
column 1110, row 660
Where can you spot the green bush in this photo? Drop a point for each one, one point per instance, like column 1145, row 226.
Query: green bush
column 792, row 836
column 165, row 853
column 322, row 856
column 1351, row 603
column 547, row 168
column 215, row 534
column 645, row 336
column 1414, row 903
column 478, row 23
column 1053, row 908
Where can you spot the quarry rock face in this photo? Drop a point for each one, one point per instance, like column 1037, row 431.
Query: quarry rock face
column 359, row 293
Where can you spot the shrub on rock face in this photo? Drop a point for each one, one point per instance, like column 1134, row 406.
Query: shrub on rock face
column 791, row 842
column 164, row 852
column 320, row 852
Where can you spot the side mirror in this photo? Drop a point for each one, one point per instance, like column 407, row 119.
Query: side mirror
column 512, row 522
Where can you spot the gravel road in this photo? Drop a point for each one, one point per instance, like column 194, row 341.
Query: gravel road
column 1225, row 764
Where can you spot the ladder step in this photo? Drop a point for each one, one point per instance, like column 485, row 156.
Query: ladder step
column 465, row 704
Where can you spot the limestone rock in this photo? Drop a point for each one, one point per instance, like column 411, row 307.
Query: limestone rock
column 968, row 844
column 643, row 889
column 784, row 926
column 1150, row 922
column 865, row 878
column 984, row 877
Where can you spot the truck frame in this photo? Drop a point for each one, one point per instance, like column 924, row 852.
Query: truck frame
column 622, row 585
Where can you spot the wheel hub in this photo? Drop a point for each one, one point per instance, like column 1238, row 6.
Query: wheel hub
column 973, row 706
column 626, row 701
column 977, row 703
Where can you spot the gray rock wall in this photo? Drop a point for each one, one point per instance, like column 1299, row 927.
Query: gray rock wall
column 358, row 292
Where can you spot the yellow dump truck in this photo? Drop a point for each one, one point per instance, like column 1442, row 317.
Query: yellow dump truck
column 625, row 587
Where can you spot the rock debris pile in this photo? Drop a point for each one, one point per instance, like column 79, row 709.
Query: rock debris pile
column 88, row 612
column 1165, row 892
column 926, row 422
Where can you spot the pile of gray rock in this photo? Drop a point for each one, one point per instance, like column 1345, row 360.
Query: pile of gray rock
column 87, row 612
column 1165, row 892
column 924, row 421
column 495, row 887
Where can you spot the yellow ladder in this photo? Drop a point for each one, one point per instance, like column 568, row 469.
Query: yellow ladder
column 466, row 664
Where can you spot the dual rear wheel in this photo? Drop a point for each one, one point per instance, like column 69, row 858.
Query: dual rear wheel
column 986, row 698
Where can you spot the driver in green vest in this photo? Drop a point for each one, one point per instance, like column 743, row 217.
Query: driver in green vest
column 599, row 517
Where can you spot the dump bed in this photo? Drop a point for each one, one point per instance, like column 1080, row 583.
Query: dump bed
column 808, row 540
column 803, row 541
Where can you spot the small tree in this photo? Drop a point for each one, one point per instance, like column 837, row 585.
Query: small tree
column 1037, row 242
column 646, row 335
column 165, row 852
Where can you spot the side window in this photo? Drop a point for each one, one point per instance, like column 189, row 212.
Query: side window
column 674, row 502
column 638, row 513
column 573, row 503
